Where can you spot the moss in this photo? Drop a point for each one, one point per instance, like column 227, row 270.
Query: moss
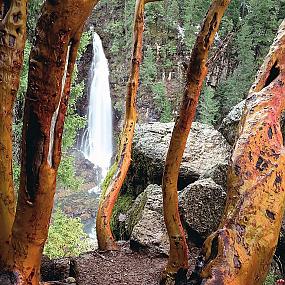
column 122, row 205
column 135, row 214
column 108, row 178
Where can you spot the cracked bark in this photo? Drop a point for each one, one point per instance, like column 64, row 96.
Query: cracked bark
column 248, row 234
column 118, row 172
column 57, row 34
column 176, row 268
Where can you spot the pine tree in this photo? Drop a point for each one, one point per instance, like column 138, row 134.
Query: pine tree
column 208, row 106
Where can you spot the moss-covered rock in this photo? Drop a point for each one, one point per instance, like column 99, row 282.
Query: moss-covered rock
column 119, row 215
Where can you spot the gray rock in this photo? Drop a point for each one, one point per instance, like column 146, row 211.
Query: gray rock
column 134, row 214
column 205, row 148
column 229, row 125
column 218, row 173
column 149, row 233
column 70, row 280
column 201, row 206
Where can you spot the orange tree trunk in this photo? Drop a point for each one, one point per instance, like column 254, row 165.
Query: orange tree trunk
column 240, row 252
column 197, row 70
column 117, row 174
column 51, row 64
column 12, row 42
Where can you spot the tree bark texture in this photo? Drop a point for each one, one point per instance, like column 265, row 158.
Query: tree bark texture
column 240, row 252
column 12, row 42
column 197, row 70
column 51, row 64
column 114, row 181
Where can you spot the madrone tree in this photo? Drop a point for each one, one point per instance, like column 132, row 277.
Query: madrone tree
column 241, row 250
column 177, row 266
column 50, row 67
column 12, row 42
column 116, row 176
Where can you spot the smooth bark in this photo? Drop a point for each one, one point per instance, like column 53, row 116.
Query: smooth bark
column 240, row 252
column 51, row 64
column 114, row 181
column 12, row 42
column 197, row 70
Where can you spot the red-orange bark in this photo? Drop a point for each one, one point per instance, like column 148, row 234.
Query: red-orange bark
column 12, row 42
column 118, row 172
column 51, row 64
column 240, row 252
column 197, row 70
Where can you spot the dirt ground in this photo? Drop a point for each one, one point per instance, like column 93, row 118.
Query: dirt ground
column 122, row 267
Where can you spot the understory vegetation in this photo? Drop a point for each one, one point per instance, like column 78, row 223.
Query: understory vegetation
column 66, row 237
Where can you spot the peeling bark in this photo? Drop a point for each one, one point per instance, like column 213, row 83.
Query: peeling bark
column 57, row 38
column 114, row 181
column 12, row 42
column 197, row 70
column 248, row 234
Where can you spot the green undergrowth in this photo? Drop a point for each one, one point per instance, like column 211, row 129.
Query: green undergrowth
column 66, row 237
column 272, row 277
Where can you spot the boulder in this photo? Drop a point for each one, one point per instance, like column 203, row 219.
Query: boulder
column 149, row 232
column 205, row 148
column 229, row 125
column 218, row 173
column 201, row 206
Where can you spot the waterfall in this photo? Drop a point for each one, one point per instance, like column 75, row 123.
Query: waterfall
column 97, row 138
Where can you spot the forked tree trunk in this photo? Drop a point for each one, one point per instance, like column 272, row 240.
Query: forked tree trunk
column 116, row 176
column 240, row 252
column 197, row 70
column 12, row 42
column 51, row 64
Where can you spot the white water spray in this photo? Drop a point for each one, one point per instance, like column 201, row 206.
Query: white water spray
column 97, row 139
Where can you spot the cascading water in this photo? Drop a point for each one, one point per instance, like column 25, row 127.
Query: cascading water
column 97, row 139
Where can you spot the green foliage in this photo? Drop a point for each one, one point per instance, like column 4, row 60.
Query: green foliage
column 272, row 277
column 208, row 106
column 16, row 173
column 194, row 12
column 25, row 70
column 84, row 42
column 148, row 69
column 18, row 115
column 162, row 102
column 17, row 133
column 66, row 237
column 253, row 36
column 34, row 7
column 66, row 175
